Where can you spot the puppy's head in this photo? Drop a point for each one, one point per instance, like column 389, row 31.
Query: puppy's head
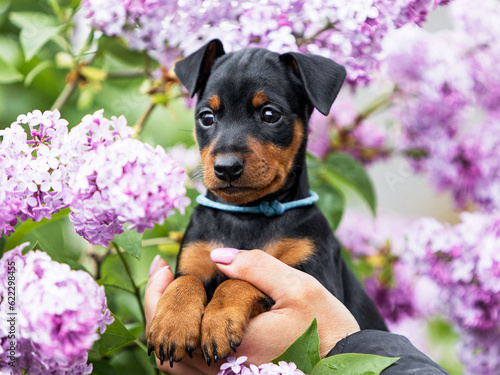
column 252, row 112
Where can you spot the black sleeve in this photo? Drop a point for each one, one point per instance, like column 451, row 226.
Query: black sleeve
column 388, row 344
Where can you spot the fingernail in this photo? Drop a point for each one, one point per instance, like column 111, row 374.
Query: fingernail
column 224, row 255
column 161, row 271
column 154, row 263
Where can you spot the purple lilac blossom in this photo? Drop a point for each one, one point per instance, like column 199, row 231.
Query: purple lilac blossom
column 341, row 131
column 70, row 308
column 235, row 366
column 447, row 101
column 394, row 286
column 104, row 176
column 463, row 260
column 115, row 179
column 32, row 174
column 349, row 32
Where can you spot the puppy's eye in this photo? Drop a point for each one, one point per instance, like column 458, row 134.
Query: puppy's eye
column 207, row 119
column 270, row 115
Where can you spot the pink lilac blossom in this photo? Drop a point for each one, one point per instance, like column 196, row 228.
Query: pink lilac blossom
column 100, row 172
column 349, row 32
column 118, row 179
column 342, row 131
column 465, row 263
column 393, row 285
column 447, row 101
column 70, row 308
column 32, row 175
column 235, row 366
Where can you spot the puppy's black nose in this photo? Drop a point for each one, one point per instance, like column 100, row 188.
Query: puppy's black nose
column 228, row 167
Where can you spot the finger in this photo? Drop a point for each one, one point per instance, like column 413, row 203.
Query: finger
column 262, row 270
column 157, row 284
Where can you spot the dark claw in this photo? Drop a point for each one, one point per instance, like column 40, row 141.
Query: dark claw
column 172, row 351
column 233, row 346
column 190, row 350
column 162, row 354
column 207, row 356
column 214, row 348
column 150, row 349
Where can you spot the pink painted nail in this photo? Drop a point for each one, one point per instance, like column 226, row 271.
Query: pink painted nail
column 224, row 255
column 161, row 271
column 154, row 263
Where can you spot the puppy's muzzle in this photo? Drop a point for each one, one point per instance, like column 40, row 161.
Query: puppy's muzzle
column 228, row 167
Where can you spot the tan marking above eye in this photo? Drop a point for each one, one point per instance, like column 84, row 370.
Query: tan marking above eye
column 214, row 102
column 259, row 99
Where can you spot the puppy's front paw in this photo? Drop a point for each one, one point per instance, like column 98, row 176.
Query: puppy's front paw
column 175, row 329
column 226, row 316
column 222, row 331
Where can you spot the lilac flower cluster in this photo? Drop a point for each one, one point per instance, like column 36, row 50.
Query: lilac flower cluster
column 31, row 174
column 55, row 336
column 393, row 285
column 235, row 366
column 445, row 82
column 115, row 179
column 100, row 172
column 343, row 130
column 349, row 32
column 465, row 263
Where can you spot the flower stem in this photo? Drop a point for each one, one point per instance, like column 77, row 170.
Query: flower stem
column 382, row 101
column 136, row 289
column 142, row 120
column 65, row 94
column 328, row 26
column 133, row 73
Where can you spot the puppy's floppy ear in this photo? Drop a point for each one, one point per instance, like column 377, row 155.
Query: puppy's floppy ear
column 193, row 71
column 321, row 77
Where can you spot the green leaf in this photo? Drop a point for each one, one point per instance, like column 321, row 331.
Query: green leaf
column 114, row 274
column 304, row 351
column 116, row 335
column 353, row 364
column 36, row 71
column 3, row 240
column 102, row 368
column 349, row 171
column 8, row 73
column 73, row 264
column 31, row 227
column 131, row 242
column 36, row 30
column 331, row 203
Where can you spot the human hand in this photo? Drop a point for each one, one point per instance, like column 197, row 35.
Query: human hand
column 299, row 298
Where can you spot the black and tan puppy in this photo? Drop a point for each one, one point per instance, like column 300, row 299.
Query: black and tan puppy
column 251, row 128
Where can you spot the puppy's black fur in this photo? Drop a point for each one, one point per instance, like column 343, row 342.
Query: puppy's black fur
column 252, row 118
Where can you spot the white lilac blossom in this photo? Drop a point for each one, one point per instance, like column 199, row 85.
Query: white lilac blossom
column 104, row 176
column 349, row 32
column 59, row 313
column 464, row 261
column 235, row 366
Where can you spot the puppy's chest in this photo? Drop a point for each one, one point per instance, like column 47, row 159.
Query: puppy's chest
column 282, row 241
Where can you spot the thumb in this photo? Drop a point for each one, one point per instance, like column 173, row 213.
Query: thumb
column 262, row 270
column 160, row 277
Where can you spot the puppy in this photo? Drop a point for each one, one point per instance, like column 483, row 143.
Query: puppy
column 251, row 127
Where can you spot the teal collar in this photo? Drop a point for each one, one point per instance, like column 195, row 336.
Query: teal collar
column 267, row 208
